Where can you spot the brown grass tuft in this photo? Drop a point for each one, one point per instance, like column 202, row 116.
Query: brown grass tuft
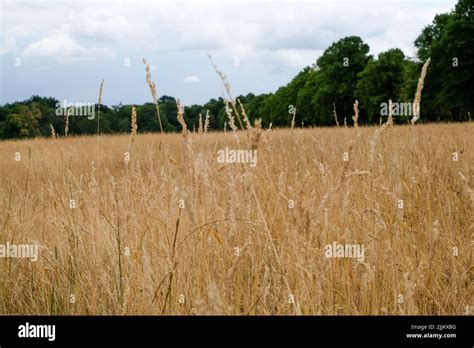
column 335, row 114
column 153, row 92
column 53, row 133
column 419, row 89
column 355, row 117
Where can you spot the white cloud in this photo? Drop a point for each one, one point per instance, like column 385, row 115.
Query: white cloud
column 92, row 29
column 7, row 44
column 272, row 39
column 293, row 58
column 63, row 48
column 191, row 79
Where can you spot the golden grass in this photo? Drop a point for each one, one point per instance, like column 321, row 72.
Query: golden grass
column 173, row 231
column 355, row 117
column 153, row 92
column 419, row 89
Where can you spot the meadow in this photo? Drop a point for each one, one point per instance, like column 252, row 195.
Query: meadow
column 155, row 224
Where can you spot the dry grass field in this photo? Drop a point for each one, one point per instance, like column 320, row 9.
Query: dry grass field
column 172, row 231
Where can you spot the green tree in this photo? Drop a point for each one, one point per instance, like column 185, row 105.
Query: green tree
column 453, row 63
column 47, row 107
column 276, row 106
column 253, row 108
column 411, row 73
column 304, row 102
column 449, row 85
column 431, row 34
column 120, row 119
column 336, row 78
column 381, row 80
column 215, row 106
column 191, row 116
column 169, row 114
column 23, row 122
column 3, row 118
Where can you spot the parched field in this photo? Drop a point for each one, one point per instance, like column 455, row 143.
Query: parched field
column 173, row 231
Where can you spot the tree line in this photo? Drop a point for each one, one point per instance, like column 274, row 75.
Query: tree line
column 319, row 93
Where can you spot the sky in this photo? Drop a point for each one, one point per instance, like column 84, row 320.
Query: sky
column 63, row 49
